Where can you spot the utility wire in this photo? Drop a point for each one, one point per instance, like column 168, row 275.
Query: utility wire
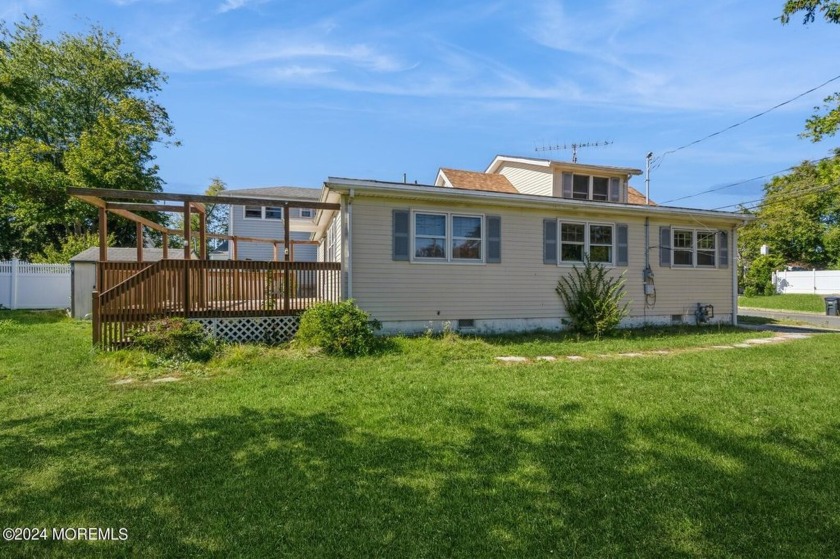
column 745, row 181
column 719, row 132
column 798, row 193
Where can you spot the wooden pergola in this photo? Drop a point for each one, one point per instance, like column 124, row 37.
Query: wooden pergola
column 117, row 202
column 128, row 295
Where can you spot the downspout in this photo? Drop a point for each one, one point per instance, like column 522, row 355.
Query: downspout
column 349, row 244
column 734, row 265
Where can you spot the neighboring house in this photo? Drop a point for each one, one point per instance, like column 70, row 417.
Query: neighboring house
column 484, row 250
column 83, row 272
column 267, row 222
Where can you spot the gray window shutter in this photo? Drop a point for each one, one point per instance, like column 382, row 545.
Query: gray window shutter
column 615, row 189
column 723, row 249
column 665, row 247
column 494, row 239
column 567, row 185
column 549, row 241
column 621, row 233
column 400, row 239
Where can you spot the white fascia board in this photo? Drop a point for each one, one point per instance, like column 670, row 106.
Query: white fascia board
column 429, row 192
column 442, row 180
column 323, row 217
column 499, row 159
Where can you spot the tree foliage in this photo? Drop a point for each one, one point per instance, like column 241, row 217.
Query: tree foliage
column 819, row 125
column 216, row 216
column 799, row 217
column 74, row 111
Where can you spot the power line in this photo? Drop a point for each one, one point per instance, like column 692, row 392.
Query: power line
column 719, row 132
column 798, row 193
column 716, row 189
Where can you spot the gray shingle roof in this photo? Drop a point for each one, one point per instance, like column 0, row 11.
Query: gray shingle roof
column 280, row 192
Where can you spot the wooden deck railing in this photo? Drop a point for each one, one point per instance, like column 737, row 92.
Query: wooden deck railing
column 207, row 289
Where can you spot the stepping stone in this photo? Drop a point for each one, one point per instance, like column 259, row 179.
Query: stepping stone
column 166, row 379
column 794, row 336
column 760, row 341
column 546, row 358
column 123, row 381
column 723, row 347
column 741, row 345
column 631, row 354
column 662, row 352
column 575, row 358
column 512, row 359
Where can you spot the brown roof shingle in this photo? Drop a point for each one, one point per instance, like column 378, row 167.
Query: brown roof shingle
column 472, row 180
column 637, row 198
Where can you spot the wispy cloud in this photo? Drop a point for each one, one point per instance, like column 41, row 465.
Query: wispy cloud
column 231, row 5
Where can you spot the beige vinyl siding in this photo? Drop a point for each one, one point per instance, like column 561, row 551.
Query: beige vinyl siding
column 521, row 286
column 528, row 179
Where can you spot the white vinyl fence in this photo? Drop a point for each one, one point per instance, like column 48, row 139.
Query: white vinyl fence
column 825, row 282
column 34, row 286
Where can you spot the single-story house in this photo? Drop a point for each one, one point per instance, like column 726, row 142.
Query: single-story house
column 266, row 222
column 484, row 251
column 83, row 272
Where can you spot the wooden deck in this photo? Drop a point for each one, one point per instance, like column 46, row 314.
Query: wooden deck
column 136, row 293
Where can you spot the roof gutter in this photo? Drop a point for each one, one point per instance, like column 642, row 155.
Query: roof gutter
column 421, row 192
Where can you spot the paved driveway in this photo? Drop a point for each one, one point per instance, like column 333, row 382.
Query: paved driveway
column 819, row 320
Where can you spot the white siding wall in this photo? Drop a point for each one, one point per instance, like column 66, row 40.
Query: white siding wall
column 528, row 179
column 521, row 287
column 267, row 228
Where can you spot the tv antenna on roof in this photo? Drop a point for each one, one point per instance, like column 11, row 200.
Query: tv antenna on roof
column 574, row 147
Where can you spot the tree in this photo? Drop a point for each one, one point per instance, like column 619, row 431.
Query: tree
column 799, row 217
column 76, row 111
column 216, row 216
column 819, row 125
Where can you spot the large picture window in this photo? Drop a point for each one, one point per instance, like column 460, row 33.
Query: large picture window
column 578, row 240
column 448, row 237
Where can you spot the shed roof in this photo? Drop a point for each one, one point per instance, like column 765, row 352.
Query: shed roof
column 125, row 254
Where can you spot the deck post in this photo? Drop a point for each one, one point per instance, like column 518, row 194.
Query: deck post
column 96, row 318
column 165, row 246
column 103, row 247
column 187, row 226
column 139, row 242
column 287, row 275
column 276, row 250
column 202, row 236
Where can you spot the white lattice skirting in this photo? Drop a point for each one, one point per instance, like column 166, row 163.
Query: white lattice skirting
column 269, row 329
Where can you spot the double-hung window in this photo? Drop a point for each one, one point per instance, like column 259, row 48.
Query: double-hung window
column 447, row 237
column 273, row 213
column 253, row 212
column 694, row 248
column 578, row 240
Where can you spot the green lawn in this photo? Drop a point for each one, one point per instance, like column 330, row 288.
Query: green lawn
column 433, row 449
column 792, row 302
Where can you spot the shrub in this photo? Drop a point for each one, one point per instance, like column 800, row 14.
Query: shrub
column 338, row 329
column 592, row 299
column 757, row 280
column 175, row 338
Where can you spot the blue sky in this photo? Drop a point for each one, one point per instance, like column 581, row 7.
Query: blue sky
column 271, row 92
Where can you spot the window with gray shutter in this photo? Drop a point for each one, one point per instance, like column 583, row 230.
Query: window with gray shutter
column 401, row 246
column 723, row 250
column 622, row 254
column 494, row 239
column 615, row 190
column 665, row 247
column 550, row 241
column 567, row 185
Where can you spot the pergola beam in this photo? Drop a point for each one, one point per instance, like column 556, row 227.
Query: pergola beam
column 139, row 207
column 203, row 198
column 139, row 219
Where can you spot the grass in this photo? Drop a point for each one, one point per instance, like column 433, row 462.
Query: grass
column 790, row 302
column 433, row 449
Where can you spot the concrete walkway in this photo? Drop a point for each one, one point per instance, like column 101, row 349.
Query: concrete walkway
column 814, row 319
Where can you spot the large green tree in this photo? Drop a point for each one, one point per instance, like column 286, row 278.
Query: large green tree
column 824, row 123
column 799, row 217
column 74, row 111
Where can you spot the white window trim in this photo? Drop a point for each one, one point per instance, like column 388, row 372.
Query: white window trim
column 448, row 259
column 694, row 248
column 245, row 214
column 586, row 241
